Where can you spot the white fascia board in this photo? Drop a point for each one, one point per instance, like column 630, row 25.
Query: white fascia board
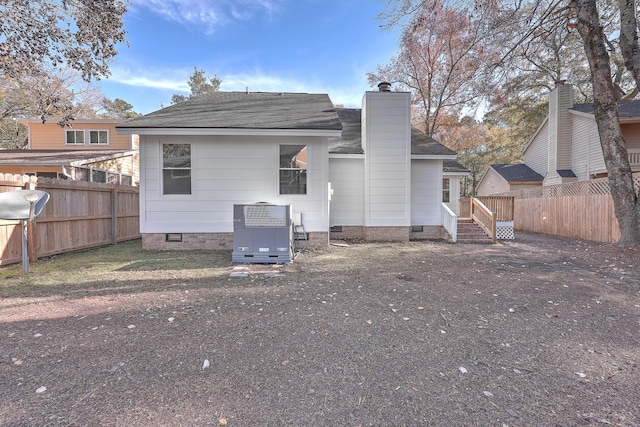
column 227, row 132
column 433, row 157
column 346, row 156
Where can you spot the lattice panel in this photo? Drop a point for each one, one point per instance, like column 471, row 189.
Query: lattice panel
column 505, row 233
column 580, row 188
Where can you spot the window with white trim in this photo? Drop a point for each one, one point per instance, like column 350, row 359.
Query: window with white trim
column 176, row 169
column 446, row 190
column 74, row 137
column 293, row 169
column 86, row 137
column 98, row 137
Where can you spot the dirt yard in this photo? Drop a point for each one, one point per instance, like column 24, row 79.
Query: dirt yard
column 538, row 331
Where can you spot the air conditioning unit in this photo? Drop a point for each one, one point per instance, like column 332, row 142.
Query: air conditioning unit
column 262, row 233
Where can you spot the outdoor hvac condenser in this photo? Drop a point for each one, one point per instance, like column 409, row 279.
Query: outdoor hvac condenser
column 262, row 233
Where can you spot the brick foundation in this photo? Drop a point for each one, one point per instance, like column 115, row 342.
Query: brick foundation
column 190, row 241
column 431, row 232
column 386, row 234
column 211, row 241
column 390, row 234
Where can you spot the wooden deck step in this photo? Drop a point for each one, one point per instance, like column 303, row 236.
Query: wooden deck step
column 470, row 232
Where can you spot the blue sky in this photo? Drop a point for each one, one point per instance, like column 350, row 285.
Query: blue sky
column 313, row 46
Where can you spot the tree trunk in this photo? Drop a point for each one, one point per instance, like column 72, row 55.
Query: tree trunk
column 625, row 200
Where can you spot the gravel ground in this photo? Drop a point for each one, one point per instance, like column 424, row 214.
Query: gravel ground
column 538, row 331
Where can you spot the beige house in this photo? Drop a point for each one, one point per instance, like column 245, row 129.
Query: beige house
column 565, row 147
column 87, row 150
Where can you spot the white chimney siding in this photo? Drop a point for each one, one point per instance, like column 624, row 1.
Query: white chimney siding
column 559, row 157
column 386, row 139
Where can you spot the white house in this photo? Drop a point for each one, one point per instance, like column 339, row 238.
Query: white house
column 349, row 173
column 566, row 146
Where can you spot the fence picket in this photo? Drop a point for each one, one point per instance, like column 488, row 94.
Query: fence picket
column 79, row 215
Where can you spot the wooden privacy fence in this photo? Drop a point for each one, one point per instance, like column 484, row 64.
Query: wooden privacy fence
column 582, row 210
column 78, row 215
column 589, row 217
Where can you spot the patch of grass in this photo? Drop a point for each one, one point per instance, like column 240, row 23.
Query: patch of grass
column 109, row 266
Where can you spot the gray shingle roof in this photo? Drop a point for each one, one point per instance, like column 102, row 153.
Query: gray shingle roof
column 566, row 173
column 517, row 173
column 626, row 109
column 240, row 110
column 351, row 140
column 453, row 166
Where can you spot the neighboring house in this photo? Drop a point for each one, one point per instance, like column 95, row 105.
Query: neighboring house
column 359, row 173
column 566, row 146
column 87, row 150
column 503, row 178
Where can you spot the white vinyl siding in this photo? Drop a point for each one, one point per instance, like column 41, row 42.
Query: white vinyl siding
column 536, row 154
column 426, row 192
column 228, row 170
column 387, row 151
column 582, row 146
column 347, row 200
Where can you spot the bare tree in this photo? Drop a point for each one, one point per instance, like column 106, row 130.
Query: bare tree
column 441, row 62
column 533, row 20
column 81, row 35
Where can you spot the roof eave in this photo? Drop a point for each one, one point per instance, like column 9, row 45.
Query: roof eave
column 433, row 157
column 228, row 132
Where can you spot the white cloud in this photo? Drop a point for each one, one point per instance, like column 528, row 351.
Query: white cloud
column 346, row 92
column 170, row 79
column 209, row 14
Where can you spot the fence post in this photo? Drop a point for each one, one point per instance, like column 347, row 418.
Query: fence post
column 114, row 216
column 32, row 252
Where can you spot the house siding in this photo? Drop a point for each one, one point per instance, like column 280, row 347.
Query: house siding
column 386, row 138
column 560, row 100
column 226, row 171
column 347, row 200
column 536, row 154
column 631, row 135
column 426, row 192
column 581, row 147
column 50, row 136
column 492, row 183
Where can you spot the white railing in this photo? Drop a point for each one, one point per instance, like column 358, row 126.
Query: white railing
column 450, row 222
column 634, row 156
